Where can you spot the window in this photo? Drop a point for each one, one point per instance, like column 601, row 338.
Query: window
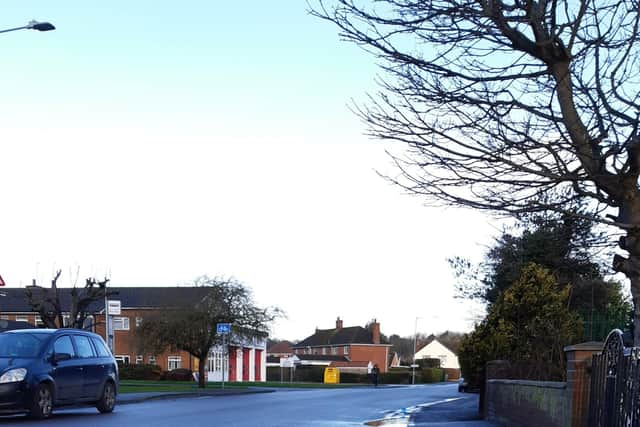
column 22, row 319
column 4, row 317
column 88, row 323
column 39, row 322
column 216, row 361
column 443, row 359
column 120, row 323
column 334, row 350
column 152, row 360
column 63, row 345
column 324, row 350
column 84, row 346
column 101, row 348
column 124, row 359
column 66, row 320
column 345, row 349
column 175, row 362
column 138, row 322
column 139, row 360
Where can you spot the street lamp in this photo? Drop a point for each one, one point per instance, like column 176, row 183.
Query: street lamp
column 413, row 366
column 33, row 25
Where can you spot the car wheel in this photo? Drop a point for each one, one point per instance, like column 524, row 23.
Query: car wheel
column 108, row 399
column 42, row 402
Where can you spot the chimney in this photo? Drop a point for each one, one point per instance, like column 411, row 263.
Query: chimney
column 375, row 331
column 338, row 323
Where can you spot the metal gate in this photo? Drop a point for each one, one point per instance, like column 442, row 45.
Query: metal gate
column 615, row 396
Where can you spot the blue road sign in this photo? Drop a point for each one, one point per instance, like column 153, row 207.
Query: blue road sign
column 223, row 328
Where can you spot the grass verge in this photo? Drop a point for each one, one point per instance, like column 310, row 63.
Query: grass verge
column 139, row 386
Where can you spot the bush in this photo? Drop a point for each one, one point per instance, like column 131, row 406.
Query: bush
column 396, row 376
column 180, row 374
column 352, row 378
column 310, row 374
column 431, row 375
column 139, row 372
column 428, row 363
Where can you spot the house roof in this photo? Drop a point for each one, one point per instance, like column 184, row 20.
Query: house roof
column 431, row 341
column 342, row 336
column 129, row 297
column 323, row 357
column 281, row 347
column 349, row 364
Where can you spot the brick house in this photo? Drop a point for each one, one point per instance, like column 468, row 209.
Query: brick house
column 281, row 349
column 350, row 346
column 245, row 361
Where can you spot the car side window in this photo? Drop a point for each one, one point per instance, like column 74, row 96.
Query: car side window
column 100, row 347
column 64, row 345
column 84, row 346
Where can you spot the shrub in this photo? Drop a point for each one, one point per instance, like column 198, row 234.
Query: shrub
column 396, row 376
column 428, row 363
column 313, row 374
column 352, row 378
column 139, row 372
column 528, row 324
column 180, row 374
column 431, row 375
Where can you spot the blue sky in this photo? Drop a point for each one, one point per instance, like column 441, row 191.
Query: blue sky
column 159, row 141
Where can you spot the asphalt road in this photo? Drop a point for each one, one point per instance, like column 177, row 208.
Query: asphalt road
column 313, row 407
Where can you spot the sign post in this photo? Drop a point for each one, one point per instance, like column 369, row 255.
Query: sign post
column 224, row 329
column 112, row 307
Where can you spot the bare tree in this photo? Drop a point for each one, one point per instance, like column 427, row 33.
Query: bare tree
column 47, row 302
column 190, row 325
column 511, row 106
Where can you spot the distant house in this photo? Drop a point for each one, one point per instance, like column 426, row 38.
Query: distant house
column 350, row 346
column 436, row 350
column 394, row 360
column 281, row 349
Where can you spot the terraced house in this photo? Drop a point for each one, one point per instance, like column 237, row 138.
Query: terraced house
column 244, row 361
column 345, row 347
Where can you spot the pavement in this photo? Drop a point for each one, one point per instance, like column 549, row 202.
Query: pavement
column 126, row 398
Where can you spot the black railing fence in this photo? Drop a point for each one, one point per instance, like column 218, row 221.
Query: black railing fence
column 615, row 385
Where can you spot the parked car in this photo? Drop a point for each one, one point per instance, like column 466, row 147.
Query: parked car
column 463, row 386
column 44, row 368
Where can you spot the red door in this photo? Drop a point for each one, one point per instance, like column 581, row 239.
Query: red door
column 258, row 365
column 232, row 364
column 245, row 364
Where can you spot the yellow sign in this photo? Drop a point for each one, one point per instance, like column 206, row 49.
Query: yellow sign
column 331, row 376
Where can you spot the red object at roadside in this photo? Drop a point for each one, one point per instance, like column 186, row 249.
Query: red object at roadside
column 1, row 281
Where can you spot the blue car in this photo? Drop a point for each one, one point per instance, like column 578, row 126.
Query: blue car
column 44, row 368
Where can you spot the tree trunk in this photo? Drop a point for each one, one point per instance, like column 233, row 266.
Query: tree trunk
column 201, row 372
column 631, row 268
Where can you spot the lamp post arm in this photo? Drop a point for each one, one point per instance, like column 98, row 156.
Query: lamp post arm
column 16, row 29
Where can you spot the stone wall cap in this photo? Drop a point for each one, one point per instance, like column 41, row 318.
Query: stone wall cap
column 585, row 346
column 527, row 383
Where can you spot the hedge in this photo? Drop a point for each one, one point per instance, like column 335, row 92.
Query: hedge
column 428, row 362
column 432, row 375
column 139, row 372
column 180, row 374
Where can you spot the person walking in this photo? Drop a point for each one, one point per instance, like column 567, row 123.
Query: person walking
column 375, row 373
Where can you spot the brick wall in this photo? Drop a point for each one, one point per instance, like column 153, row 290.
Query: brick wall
column 125, row 342
column 376, row 354
column 517, row 403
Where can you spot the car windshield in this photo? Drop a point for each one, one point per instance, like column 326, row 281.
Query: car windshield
column 22, row 345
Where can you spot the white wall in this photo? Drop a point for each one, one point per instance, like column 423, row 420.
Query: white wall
column 435, row 350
